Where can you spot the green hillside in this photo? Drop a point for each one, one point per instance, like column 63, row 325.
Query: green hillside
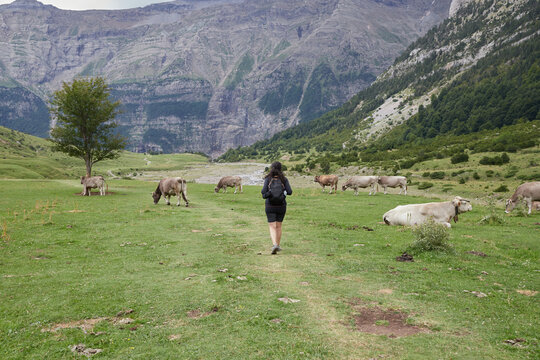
column 28, row 157
column 444, row 96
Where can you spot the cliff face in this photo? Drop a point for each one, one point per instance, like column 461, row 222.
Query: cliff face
column 206, row 75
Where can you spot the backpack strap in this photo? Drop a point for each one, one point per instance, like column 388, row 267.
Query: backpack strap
column 274, row 178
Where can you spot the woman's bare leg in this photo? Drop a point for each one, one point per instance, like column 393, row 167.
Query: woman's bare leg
column 278, row 233
column 273, row 232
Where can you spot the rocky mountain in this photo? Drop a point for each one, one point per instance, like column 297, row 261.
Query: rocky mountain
column 205, row 75
column 476, row 72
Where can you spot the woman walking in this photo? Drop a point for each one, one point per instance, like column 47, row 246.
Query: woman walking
column 276, row 187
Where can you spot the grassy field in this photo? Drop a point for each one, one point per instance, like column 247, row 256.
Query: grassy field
column 140, row 281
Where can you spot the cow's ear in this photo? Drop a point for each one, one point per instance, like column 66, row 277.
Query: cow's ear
column 456, row 202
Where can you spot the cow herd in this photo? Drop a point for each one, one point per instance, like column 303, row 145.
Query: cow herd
column 412, row 214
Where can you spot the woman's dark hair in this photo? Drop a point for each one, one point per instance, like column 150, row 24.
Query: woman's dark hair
column 275, row 170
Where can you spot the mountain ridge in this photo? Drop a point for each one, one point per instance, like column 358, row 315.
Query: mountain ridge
column 208, row 76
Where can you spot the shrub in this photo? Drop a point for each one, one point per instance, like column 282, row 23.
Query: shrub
column 407, row 164
column 463, row 180
column 437, row 175
column 426, row 174
column 511, row 172
column 459, row 158
column 502, row 188
column 425, row 185
column 489, row 173
column 476, row 176
column 495, row 160
column 534, row 177
column 430, row 236
column 325, row 166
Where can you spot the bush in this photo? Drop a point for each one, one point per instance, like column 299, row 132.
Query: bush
column 463, row 180
column 426, row 174
column 437, row 175
column 533, row 177
column 325, row 166
column 511, row 172
column 425, row 185
column 495, row 160
column 459, row 158
column 476, row 176
column 489, row 173
column 502, row 188
column 430, row 236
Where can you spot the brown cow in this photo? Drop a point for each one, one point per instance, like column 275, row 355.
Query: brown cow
column 229, row 181
column 528, row 191
column 169, row 187
column 327, row 180
column 93, row 182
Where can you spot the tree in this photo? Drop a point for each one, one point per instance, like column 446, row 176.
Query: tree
column 84, row 117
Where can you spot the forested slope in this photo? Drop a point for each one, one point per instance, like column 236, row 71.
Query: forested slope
column 477, row 72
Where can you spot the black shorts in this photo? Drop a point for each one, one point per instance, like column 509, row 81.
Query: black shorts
column 275, row 213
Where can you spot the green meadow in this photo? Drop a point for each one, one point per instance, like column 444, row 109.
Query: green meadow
column 142, row 281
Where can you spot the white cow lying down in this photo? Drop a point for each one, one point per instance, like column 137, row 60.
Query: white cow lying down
column 415, row 214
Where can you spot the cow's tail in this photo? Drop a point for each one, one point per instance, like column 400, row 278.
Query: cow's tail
column 386, row 220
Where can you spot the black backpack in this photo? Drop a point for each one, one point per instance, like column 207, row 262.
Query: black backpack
column 276, row 188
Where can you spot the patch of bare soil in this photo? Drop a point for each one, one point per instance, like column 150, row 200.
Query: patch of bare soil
column 378, row 321
column 198, row 314
column 477, row 253
column 405, row 257
column 81, row 349
column 527, row 292
column 87, row 325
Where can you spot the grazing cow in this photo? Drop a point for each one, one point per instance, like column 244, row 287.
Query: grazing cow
column 361, row 182
column 169, row 187
column 528, row 191
column 393, row 182
column 229, row 181
column 327, row 180
column 93, row 182
column 416, row 214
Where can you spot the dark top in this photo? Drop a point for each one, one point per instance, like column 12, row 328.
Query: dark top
column 266, row 192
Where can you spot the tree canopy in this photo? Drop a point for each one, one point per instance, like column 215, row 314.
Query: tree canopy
column 85, row 127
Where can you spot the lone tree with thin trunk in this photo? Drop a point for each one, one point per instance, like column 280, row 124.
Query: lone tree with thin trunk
column 84, row 117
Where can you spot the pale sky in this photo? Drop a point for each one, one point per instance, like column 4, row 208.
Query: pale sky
column 94, row 4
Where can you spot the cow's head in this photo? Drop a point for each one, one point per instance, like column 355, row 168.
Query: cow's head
column 510, row 205
column 316, row 178
column 216, row 189
column 156, row 197
column 462, row 205
column 344, row 187
column 82, row 179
